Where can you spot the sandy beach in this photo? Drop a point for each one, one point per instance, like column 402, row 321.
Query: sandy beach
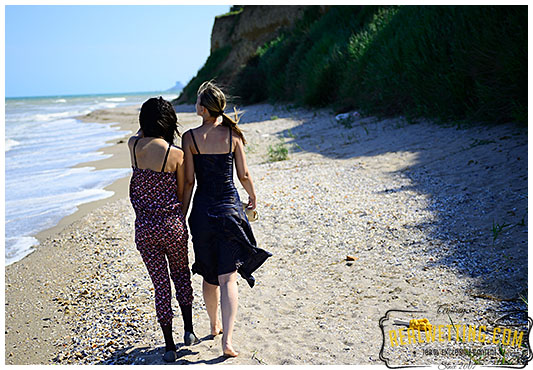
column 362, row 218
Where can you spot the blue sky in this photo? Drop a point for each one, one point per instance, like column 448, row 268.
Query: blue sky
column 64, row 50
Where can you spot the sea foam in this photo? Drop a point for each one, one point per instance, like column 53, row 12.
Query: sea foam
column 19, row 248
column 43, row 141
column 10, row 143
column 116, row 99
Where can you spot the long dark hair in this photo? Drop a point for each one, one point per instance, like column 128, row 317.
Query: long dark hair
column 214, row 100
column 158, row 119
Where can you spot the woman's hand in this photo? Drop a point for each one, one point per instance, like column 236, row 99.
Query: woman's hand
column 252, row 202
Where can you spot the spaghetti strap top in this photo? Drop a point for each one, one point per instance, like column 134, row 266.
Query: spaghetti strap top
column 194, row 140
column 135, row 156
column 164, row 162
column 166, row 156
column 230, row 140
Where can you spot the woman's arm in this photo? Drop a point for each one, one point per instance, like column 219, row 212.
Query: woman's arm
column 244, row 176
column 180, row 175
column 188, row 182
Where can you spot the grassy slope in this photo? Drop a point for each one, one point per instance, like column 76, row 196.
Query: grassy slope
column 448, row 62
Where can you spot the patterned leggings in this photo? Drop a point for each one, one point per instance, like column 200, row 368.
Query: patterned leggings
column 159, row 241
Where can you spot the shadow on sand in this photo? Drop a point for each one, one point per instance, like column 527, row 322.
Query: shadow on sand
column 154, row 356
column 475, row 177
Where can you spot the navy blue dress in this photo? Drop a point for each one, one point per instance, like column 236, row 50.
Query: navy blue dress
column 221, row 234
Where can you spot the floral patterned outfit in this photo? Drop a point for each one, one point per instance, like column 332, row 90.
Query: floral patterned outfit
column 160, row 235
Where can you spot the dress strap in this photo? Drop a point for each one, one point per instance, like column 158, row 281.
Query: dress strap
column 194, row 140
column 134, row 156
column 230, row 137
column 166, row 156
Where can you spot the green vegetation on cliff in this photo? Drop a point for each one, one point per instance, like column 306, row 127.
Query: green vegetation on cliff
column 448, row 62
column 234, row 10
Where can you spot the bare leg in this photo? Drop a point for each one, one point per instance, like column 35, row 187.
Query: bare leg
column 228, row 305
column 211, row 297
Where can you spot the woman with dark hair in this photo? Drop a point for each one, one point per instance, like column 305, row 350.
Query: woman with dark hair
column 156, row 193
column 222, row 238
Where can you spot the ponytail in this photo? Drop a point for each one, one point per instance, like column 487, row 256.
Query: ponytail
column 227, row 121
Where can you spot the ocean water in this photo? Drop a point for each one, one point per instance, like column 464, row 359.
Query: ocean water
column 43, row 141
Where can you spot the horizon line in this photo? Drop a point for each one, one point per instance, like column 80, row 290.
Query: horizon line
column 88, row 94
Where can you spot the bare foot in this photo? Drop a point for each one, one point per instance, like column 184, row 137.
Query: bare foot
column 230, row 352
column 216, row 330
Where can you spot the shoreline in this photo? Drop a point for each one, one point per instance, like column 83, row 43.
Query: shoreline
column 412, row 203
column 113, row 148
column 126, row 118
column 44, row 263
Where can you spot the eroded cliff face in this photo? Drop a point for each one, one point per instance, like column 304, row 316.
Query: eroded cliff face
column 235, row 39
column 246, row 31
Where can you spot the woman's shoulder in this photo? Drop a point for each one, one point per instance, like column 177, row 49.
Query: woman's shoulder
column 236, row 139
column 176, row 151
column 138, row 135
column 187, row 134
column 133, row 139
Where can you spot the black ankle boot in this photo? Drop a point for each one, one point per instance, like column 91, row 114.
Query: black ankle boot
column 190, row 338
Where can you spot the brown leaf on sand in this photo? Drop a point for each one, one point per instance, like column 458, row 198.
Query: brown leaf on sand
column 351, row 258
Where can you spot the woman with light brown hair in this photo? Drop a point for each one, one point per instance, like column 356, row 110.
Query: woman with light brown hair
column 222, row 238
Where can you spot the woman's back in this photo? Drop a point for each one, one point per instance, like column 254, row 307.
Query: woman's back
column 213, row 165
column 154, row 185
column 150, row 154
column 212, row 140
